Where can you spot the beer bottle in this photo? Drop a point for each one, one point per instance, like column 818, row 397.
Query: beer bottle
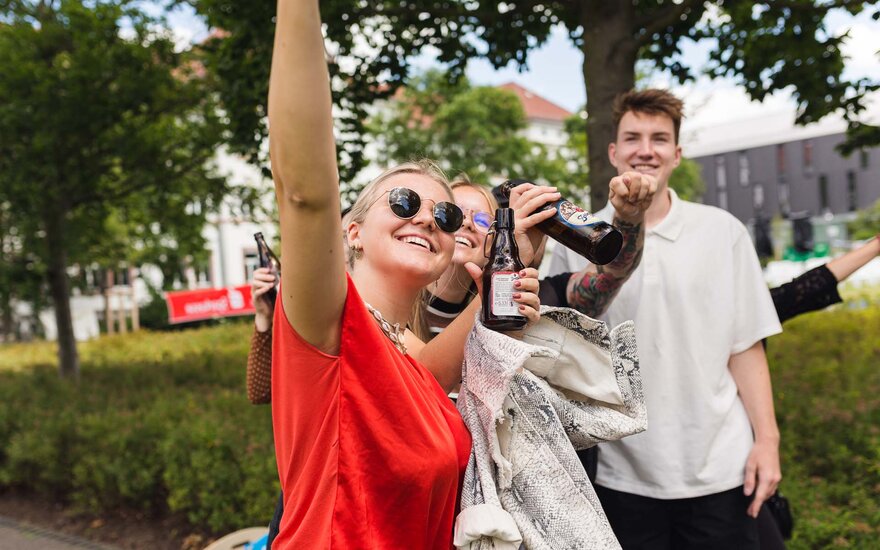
column 268, row 259
column 500, row 312
column 592, row 238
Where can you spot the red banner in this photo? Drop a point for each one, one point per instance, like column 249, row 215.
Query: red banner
column 196, row 305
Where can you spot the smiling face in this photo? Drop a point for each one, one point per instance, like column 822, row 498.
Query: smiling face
column 470, row 238
column 645, row 143
column 414, row 251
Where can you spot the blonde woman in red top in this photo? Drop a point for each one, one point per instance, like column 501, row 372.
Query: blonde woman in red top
column 370, row 450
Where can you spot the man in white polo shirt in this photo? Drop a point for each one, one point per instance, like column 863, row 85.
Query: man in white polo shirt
column 710, row 456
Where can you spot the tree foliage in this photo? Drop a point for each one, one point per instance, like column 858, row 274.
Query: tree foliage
column 766, row 46
column 476, row 130
column 106, row 133
column 866, row 224
column 687, row 180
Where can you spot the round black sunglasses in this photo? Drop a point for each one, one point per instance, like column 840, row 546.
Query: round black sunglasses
column 406, row 203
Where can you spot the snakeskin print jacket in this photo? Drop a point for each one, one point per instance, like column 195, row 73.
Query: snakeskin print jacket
column 568, row 384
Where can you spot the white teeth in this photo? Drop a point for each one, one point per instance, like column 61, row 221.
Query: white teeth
column 417, row 241
column 462, row 240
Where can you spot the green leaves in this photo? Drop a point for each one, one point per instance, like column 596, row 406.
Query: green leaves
column 106, row 133
column 476, row 130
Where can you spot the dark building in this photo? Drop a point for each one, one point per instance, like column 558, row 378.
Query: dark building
column 802, row 175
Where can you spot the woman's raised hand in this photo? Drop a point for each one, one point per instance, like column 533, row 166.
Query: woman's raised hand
column 526, row 199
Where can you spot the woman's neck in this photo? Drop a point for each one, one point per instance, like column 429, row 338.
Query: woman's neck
column 393, row 300
column 453, row 286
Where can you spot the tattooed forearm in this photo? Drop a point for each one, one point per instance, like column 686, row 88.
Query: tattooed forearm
column 591, row 290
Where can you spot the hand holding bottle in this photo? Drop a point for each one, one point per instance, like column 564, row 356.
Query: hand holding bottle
column 579, row 230
column 526, row 201
column 631, row 194
column 525, row 290
column 264, row 280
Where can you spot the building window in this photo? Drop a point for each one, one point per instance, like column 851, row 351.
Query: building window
column 864, row 159
column 743, row 169
column 808, row 156
column 852, row 191
column 823, row 193
column 251, row 263
column 784, row 198
column 721, row 181
column 780, row 161
column 758, row 197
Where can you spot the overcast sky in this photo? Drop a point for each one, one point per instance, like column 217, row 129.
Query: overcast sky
column 554, row 71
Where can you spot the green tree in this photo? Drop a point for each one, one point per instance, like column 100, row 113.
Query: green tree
column 687, row 180
column 477, row 130
column 866, row 224
column 105, row 137
column 767, row 46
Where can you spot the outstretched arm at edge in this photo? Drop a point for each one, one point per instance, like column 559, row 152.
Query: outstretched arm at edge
column 303, row 154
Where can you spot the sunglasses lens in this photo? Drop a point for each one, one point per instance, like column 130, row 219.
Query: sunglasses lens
column 482, row 220
column 448, row 216
column 405, row 203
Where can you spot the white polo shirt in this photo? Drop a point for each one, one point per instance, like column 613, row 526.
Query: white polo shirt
column 697, row 297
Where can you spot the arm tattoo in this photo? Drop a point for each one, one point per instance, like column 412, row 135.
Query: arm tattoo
column 592, row 290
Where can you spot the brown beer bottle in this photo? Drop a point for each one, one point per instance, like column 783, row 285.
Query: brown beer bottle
column 268, row 259
column 500, row 312
column 596, row 240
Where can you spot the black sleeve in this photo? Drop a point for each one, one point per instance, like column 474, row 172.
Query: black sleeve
column 553, row 290
column 816, row 289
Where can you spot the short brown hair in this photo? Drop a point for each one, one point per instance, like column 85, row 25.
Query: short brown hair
column 652, row 101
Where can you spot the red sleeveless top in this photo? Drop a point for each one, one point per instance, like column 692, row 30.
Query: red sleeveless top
column 370, row 450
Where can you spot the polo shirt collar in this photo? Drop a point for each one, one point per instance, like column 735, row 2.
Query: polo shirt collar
column 671, row 226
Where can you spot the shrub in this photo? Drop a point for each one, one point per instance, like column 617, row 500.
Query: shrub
column 160, row 423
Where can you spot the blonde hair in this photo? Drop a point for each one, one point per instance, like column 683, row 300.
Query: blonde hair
column 370, row 192
column 361, row 207
column 462, row 180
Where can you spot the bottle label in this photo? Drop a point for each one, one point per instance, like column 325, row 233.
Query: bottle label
column 575, row 216
column 502, row 294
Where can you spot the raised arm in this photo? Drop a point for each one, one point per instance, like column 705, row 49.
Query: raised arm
column 844, row 266
column 302, row 150
column 591, row 290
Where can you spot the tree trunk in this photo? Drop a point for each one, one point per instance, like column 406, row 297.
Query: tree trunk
column 59, row 287
column 609, row 69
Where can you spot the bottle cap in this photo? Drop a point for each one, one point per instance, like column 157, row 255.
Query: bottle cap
column 504, row 218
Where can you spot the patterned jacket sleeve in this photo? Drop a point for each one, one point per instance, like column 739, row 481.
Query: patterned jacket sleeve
column 259, row 368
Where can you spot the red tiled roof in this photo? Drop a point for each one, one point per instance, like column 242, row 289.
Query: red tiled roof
column 536, row 106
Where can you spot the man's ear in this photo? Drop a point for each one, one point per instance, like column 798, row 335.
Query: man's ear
column 677, row 156
column 612, row 149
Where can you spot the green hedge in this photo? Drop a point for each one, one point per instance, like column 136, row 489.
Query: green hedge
column 826, row 377
column 160, row 422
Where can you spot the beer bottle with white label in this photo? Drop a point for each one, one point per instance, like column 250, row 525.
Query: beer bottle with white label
column 268, row 259
column 500, row 311
column 596, row 240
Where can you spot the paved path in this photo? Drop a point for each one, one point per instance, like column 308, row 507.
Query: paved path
column 19, row 536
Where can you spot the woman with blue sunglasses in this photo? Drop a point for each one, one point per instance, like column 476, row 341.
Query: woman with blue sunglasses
column 449, row 295
column 370, row 451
